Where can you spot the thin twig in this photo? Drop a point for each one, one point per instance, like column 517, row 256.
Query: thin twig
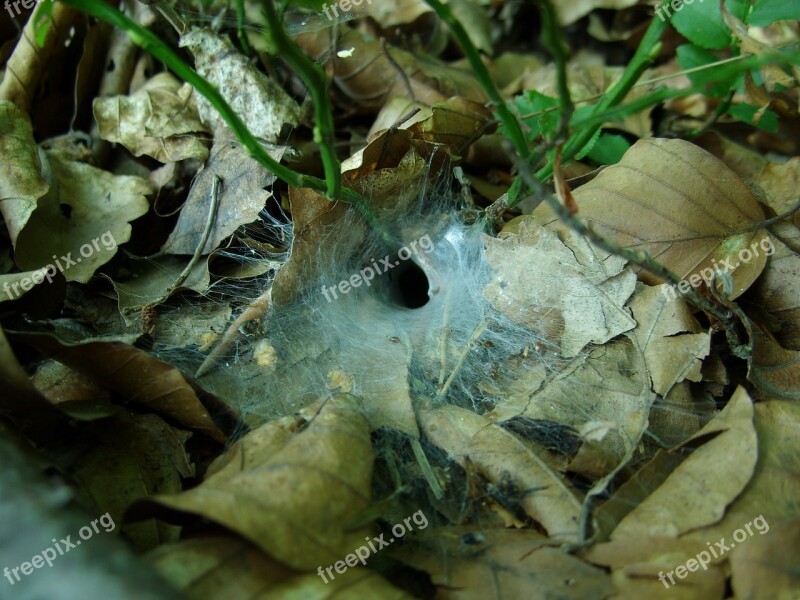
column 198, row 252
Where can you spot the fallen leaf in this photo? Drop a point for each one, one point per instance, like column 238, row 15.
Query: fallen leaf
column 698, row 491
column 82, row 220
column 707, row 205
column 260, row 102
column 240, row 197
column 296, row 493
column 160, row 120
column 494, row 451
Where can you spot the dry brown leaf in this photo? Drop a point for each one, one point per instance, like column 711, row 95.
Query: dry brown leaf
column 637, row 562
column 135, row 376
column 568, row 291
column 606, row 385
column 781, row 184
column 361, row 69
column 499, row 564
column 496, row 453
column 682, row 205
column 229, row 567
column 698, row 491
column 78, row 226
column 778, row 289
column 128, row 457
column 240, row 196
column 160, row 120
column 670, row 358
column 771, row 494
column 151, row 279
column 766, row 565
column 775, row 371
column 296, row 492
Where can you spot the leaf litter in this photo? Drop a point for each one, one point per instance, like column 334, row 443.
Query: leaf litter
column 569, row 426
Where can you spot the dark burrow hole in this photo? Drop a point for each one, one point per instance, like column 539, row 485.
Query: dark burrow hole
column 408, row 284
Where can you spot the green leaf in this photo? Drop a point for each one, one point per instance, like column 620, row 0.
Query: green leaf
column 766, row 12
column 538, row 112
column 609, row 149
column 746, row 114
column 701, row 21
column 691, row 57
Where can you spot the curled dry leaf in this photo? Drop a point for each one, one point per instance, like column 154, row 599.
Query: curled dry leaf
column 698, row 491
column 682, row 205
column 79, row 224
column 21, row 182
column 292, row 492
column 160, row 120
column 135, row 376
column 495, row 452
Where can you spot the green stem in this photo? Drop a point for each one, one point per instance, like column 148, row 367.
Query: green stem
column 314, row 77
column 152, row 44
column 642, row 59
column 482, row 75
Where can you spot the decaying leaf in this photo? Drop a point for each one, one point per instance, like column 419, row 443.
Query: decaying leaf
column 569, row 291
column 240, row 197
column 495, row 452
column 160, row 120
column 78, row 225
column 292, row 492
column 670, row 358
column 258, row 100
column 698, row 491
column 502, row 563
